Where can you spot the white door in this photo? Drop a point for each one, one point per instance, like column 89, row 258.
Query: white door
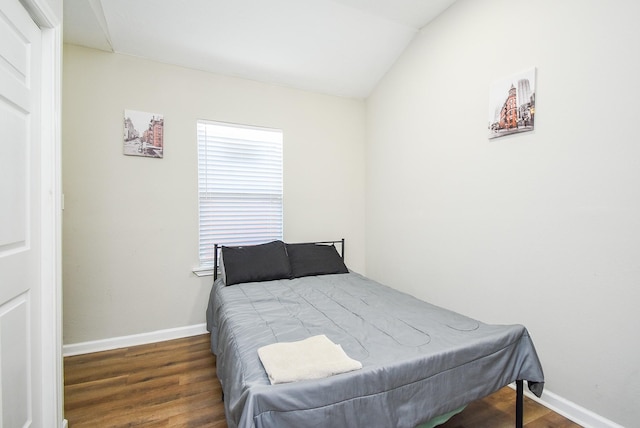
column 20, row 219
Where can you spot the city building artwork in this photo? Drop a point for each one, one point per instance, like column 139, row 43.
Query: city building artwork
column 143, row 134
column 512, row 104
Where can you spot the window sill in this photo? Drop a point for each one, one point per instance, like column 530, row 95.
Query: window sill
column 203, row 271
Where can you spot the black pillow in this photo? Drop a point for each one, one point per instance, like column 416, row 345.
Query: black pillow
column 314, row 259
column 253, row 263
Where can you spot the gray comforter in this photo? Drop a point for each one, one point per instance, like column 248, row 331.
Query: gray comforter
column 419, row 360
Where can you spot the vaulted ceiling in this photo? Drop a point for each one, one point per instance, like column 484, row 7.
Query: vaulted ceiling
column 337, row 47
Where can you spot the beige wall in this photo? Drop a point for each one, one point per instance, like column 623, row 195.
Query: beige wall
column 541, row 228
column 131, row 224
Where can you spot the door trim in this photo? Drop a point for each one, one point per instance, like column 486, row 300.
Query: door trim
column 51, row 216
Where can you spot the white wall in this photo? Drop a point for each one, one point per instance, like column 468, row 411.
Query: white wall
column 542, row 228
column 131, row 223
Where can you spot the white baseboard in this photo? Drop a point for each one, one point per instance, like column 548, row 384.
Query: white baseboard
column 133, row 340
column 571, row 410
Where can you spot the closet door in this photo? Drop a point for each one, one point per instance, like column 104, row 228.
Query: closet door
column 21, row 365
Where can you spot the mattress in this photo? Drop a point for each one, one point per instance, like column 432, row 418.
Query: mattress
column 419, row 361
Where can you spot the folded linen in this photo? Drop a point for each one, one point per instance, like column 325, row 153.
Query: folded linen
column 312, row 358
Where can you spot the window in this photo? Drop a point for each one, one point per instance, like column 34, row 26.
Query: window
column 239, row 186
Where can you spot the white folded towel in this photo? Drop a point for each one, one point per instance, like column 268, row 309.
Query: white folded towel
column 312, row 358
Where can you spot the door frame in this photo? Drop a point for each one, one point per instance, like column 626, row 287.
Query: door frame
column 50, row 23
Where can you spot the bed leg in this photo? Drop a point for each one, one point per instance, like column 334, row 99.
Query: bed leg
column 519, row 403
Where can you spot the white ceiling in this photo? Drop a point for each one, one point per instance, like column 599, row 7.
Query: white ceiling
column 338, row 47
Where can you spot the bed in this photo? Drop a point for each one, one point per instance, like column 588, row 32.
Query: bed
column 418, row 361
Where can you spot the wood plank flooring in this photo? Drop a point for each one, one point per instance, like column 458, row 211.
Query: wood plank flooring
column 174, row 384
column 166, row 384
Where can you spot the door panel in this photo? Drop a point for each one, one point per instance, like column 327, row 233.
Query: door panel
column 14, row 368
column 13, row 182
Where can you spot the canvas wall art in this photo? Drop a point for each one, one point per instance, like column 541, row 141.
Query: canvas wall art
column 512, row 104
column 143, row 134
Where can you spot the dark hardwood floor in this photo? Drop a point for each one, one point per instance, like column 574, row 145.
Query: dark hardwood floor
column 165, row 384
column 174, row 384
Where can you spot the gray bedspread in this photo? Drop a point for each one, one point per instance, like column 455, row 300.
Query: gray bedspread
column 419, row 360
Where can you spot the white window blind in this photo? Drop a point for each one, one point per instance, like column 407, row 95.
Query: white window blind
column 239, row 186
